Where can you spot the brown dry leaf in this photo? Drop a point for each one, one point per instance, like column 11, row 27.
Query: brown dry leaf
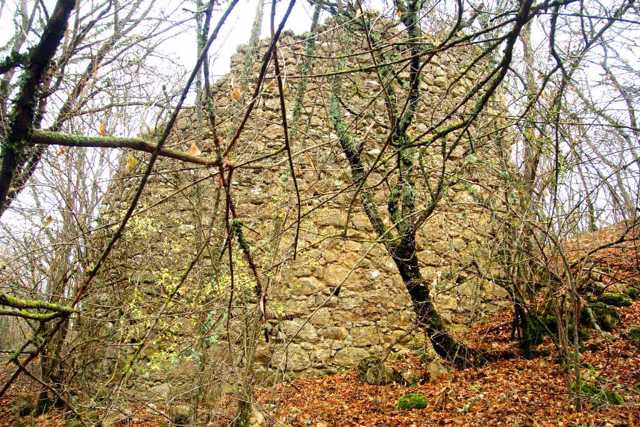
column 102, row 129
column 236, row 95
column 270, row 86
column 194, row 150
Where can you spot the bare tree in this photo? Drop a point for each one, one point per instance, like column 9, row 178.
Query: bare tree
column 87, row 71
column 565, row 147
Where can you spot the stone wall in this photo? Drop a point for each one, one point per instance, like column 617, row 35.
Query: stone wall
column 320, row 330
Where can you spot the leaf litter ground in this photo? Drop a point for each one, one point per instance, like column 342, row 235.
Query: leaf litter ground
column 514, row 392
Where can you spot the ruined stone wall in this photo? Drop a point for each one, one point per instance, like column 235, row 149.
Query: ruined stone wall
column 319, row 332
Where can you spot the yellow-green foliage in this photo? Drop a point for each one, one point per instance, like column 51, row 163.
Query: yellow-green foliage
column 149, row 302
column 141, row 227
column 634, row 335
column 168, row 280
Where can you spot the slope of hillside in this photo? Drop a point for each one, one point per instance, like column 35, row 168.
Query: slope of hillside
column 515, row 392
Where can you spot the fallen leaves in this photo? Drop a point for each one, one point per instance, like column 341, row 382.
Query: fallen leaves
column 516, row 392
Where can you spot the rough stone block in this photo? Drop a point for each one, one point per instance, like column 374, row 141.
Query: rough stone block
column 349, row 356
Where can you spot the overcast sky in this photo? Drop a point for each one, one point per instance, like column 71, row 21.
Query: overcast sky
column 182, row 47
column 236, row 32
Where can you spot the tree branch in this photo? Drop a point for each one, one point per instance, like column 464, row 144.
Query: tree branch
column 11, row 61
column 69, row 140
column 24, row 306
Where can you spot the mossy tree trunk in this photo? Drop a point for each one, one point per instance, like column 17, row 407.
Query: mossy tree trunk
column 52, row 370
column 400, row 237
column 427, row 317
column 14, row 144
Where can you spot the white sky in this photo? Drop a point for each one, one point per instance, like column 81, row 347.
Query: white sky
column 236, row 32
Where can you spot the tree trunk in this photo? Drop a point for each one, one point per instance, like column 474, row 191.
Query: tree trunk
column 447, row 347
column 401, row 200
column 52, row 371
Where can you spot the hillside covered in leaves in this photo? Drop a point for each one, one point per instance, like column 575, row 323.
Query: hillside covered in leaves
column 336, row 213
column 515, row 391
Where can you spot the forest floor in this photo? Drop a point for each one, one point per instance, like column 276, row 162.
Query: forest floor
column 515, row 392
column 512, row 392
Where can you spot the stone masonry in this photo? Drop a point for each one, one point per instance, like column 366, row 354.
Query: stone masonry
column 319, row 329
